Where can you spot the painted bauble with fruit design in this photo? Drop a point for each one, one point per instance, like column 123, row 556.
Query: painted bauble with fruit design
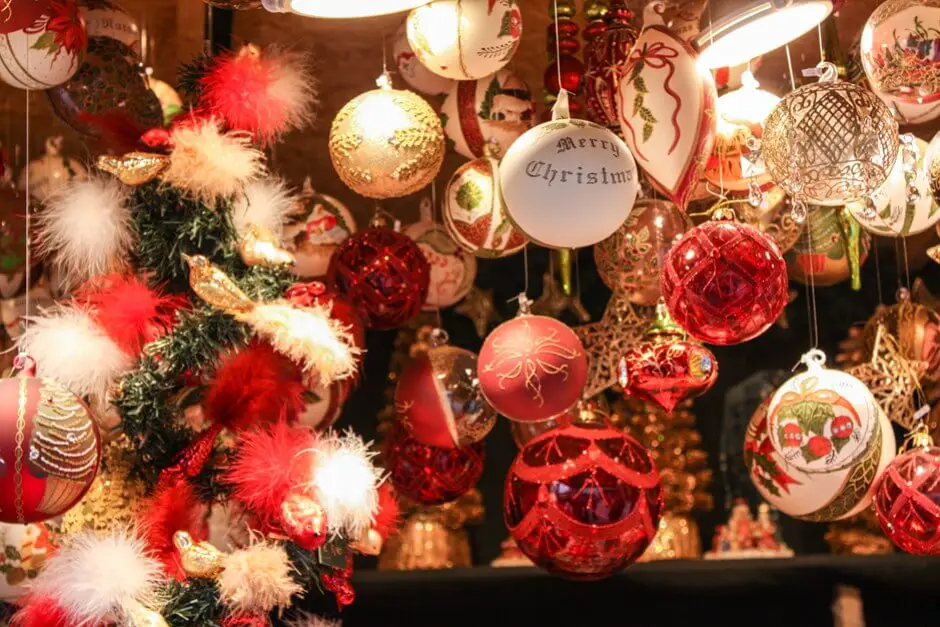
column 316, row 228
column 475, row 213
column 45, row 52
column 832, row 248
column 453, row 269
column 484, row 117
column 828, row 433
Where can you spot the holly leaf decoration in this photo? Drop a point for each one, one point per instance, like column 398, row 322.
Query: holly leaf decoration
column 505, row 27
column 492, row 90
column 839, row 443
column 812, row 416
column 469, row 196
column 808, row 455
column 46, row 41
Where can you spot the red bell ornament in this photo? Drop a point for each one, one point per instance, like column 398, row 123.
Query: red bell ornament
column 438, row 399
column 583, row 501
column 49, row 449
column 907, row 498
column 725, row 282
column 532, row 368
column 384, row 273
column 430, row 475
column 665, row 367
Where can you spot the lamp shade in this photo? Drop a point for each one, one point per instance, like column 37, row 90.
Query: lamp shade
column 342, row 8
column 735, row 31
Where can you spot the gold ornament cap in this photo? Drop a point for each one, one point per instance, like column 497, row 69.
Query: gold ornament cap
column 664, row 327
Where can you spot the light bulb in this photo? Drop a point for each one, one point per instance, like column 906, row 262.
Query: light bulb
column 341, row 8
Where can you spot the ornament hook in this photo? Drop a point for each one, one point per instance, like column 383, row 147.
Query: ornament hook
column 828, row 72
column 813, row 358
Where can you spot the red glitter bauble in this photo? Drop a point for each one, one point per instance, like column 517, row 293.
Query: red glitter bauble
column 438, row 399
column 384, row 273
column 907, row 501
column 49, row 449
column 572, row 75
column 430, row 475
column 668, row 372
column 532, row 368
column 725, row 282
column 583, row 501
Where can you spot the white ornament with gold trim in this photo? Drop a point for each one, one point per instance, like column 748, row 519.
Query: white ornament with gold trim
column 453, row 270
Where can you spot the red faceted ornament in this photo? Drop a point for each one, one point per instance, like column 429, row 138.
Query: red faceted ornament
column 438, row 399
column 583, row 501
column 49, row 449
column 303, row 519
column 907, row 500
column 725, row 282
column 430, row 475
column 532, row 368
column 607, row 54
column 665, row 367
column 384, row 273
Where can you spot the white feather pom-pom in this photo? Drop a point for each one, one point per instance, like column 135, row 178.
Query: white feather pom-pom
column 265, row 203
column 257, row 579
column 70, row 348
column 98, row 580
column 85, row 229
column 346, row 483
column 208, row 164
column 311, row 620
column 294, row 85
column 323, row 346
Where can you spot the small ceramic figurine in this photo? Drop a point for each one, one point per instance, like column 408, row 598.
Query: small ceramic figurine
column 746, row 538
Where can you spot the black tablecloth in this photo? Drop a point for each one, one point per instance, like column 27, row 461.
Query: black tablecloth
column 897, row 591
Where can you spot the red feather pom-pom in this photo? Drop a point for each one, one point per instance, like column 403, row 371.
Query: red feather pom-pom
column 388, row 517
column 245, row 621
column 128, row 311
column 265, row 93
column 40, row 612
column 256, row 384
column 172, row 508
column 263, row 470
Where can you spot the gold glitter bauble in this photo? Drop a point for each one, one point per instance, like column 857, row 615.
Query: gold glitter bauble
column 114, row 499
column 387, row 143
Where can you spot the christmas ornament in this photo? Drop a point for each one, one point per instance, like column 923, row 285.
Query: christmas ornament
column 830, row 439
column 683, row 17
column 665, row 367
column 829, row 143
column 418, row 77
column 606, row 54
column 773, row 215
column 898, row 50
column 724, row 282
column 438, row 399
column 583, row 501
column 303, row 519
column 605, row 341
column 106, row 18
column 557, row 300
column 48, row 51
column 12, row 243
column 26, row 549
column 475, row 213
column 50, row 451
column 386, row 142
column 677, row 538
column 170, row 101
column 917, row 330
column 893, row 380
column 563, row 164
column 453, row 270
column 666, row 108
column 431, row 475
column 734, row 164
column 315, row 230
column 906, row 497
column 932, row 166
column 465, row 39
column 629, row 261
column 904, row 204
column 50, row 172
column 108, row 99
column 484, row 117
column 200, row 559
column 134, row 168
column 384, row 273
column 532, row 368
column 22, row 15
column 566, row 70
column 832, row 248
column 525, row 432
column 478, row 306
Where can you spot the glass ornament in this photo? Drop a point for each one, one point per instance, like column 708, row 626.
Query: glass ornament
column 583, row 500
column 430, row 475
column 45, row 52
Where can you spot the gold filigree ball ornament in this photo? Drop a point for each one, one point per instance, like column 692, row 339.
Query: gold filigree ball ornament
column 566, row 164
column 49, row 447
column 828, row 442
column 465, row 39
column 830, row 142
column 475, row 212
column 387, row 142
column 532, row 368
column 904, row 205
column 831, row 248
column 629, row 261
column 917, row 330
column 771, row 212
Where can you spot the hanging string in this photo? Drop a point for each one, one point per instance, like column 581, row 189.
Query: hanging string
column 881, row 299
column 437, row 309
column 525, row 269
column 210, row 30
column 897, row 263
column 557, row 46
column 907, row 269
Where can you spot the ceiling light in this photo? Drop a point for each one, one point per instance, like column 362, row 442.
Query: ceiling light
column 341, row 8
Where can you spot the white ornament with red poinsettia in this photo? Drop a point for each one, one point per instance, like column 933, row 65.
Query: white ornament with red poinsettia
column 46, row 52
